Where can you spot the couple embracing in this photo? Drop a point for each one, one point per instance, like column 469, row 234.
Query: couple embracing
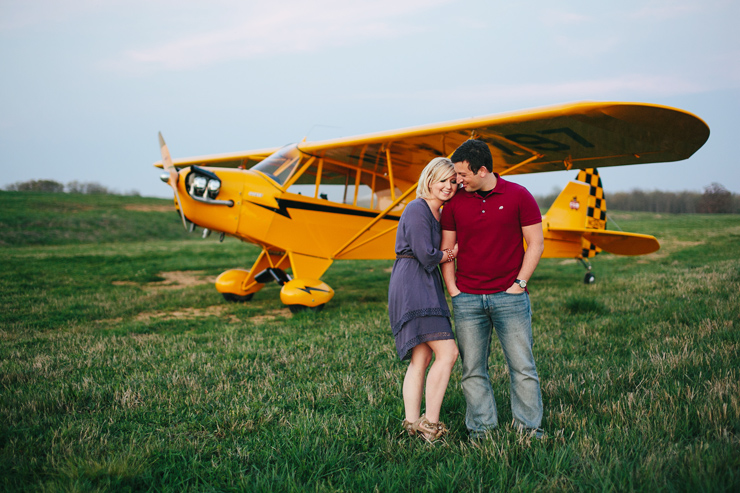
column 477, row 240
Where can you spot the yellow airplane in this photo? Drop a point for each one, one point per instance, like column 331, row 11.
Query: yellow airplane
column 285, row 199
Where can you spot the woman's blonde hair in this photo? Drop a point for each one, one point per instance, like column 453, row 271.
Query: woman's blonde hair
column 438, row 169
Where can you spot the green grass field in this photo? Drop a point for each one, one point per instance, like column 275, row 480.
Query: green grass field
column 122, row 368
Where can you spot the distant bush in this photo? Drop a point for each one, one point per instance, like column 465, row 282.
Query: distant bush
column 715, row 199
column 654, row 201
column 546, row 201
column 51, row 186
column 88, row 188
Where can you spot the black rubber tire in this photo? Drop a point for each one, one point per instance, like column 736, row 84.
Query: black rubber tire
column 303, row 308
column 589, row 278
column 235, row 298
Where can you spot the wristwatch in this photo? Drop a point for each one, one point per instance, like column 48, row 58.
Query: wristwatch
column 522, row 283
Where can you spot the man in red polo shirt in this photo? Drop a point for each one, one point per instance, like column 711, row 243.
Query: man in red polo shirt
column 489, row 220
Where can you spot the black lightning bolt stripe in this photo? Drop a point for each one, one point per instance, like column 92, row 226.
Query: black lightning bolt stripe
column 308, row 289
column 285, row 204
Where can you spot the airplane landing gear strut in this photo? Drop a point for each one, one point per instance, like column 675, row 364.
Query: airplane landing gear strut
column 589, row 277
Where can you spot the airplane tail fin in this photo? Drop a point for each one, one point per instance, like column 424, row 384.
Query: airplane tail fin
column 579, row 206
column 579, row 214
column 595, row 210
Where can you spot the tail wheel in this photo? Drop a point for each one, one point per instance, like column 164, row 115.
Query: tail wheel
column 235, row 298
column 589, row 278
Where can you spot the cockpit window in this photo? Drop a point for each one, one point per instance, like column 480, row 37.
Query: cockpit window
column 281, row 165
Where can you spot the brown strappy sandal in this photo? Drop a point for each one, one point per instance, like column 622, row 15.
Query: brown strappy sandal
column 409, row 427
column 428, row 430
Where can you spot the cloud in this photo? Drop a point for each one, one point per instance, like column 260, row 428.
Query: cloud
column 279, row 28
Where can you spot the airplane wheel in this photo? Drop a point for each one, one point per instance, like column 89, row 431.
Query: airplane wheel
column 589, row 279
column 235, row 298
column 303, row 308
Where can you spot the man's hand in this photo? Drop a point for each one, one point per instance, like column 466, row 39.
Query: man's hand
column 515, row 289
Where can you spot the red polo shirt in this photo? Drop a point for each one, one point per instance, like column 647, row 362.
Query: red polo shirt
column 489, row 235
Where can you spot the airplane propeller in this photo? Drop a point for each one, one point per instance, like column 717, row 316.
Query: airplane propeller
column 170, row 168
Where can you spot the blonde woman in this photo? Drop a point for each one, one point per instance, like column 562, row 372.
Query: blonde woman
column 419, row 315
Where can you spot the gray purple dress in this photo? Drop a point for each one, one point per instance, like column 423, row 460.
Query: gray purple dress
column 416, row 300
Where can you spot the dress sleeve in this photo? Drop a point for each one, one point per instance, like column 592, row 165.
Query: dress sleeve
column 419, row 235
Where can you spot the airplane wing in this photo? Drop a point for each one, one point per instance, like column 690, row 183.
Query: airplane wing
column 616, row 242
column 245, row 159
column 570, row 136
column 576, row 135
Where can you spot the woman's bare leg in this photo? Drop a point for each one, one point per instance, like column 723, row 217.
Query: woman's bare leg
column 445, row 355
column 413, row 382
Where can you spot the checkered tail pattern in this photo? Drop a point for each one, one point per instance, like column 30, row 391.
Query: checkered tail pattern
column 596, row 212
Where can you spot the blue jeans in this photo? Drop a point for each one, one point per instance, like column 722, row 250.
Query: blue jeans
column 511, row 316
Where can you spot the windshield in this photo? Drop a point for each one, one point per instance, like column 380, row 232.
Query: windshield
column 281, row 165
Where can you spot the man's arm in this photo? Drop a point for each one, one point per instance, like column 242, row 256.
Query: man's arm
column 535, row 246
column 449, row 239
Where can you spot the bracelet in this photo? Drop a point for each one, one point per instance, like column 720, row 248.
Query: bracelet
column 450, row 256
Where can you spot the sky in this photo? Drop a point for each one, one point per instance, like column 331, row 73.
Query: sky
column 85, row 85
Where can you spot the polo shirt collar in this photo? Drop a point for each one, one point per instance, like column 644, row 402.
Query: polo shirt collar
column 499, row 188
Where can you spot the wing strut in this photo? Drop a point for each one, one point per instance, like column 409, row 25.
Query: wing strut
column 526, row 161
column 294, row 176
column 347, row 250
column 375, row 221
column 390, row 171
column 318, row 177
column 358, row 176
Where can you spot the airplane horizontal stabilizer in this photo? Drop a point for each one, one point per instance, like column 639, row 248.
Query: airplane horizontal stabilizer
column 616, row 242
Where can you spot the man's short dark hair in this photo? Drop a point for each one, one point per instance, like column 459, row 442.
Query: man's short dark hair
column 476, row 153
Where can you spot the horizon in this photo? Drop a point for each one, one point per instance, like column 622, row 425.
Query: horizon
column 135, row 193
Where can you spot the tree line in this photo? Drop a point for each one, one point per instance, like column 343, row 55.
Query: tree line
column 52, row 186
column 715, row 199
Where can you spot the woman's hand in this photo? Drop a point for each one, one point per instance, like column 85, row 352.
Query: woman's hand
column 453, row 288
column 448, row 255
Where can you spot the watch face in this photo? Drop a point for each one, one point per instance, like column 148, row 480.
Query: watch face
column 522, row 284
